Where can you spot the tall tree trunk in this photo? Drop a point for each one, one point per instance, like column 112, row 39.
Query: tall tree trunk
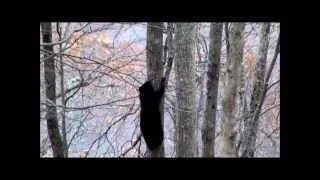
column 208, row 130
column 243, row 108
column 185, row 90
column 169, row 55
column 50, row 82
column 200, row 108
column 251, row 125
column 63, row 110
column 233, row 79
column 155, row 67
column 201, row 79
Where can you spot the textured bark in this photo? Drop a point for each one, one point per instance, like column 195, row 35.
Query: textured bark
column 208, row 129
column 251, row 125
column 235, row 53
column 185, row 90
column 169, row 55
column 201, row 106
column 200, row 83
column 169, row 51
column 243, row 109
column 50, row 82
column 155, row 67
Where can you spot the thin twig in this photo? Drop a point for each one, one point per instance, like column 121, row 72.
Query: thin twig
column 91, row 106
column 268, row 109
column 267, row 136
column 107, row 130
column 64, row 40
column 133, row 145
column 269, row 87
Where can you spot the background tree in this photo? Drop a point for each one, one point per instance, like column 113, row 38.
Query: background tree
column 50, row 82
column 185, row 90
column 62, row 92
column 233, row 79
column 259, row 91
column 208, row 130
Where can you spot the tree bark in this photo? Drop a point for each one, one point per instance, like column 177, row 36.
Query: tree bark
column 235, row 53
column 185, row 90
column 63, row 110
column 155, row 67
column 208, row 130
column 50, row 82
column 243, row 108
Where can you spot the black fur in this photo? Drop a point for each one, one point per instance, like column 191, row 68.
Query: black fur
column 150, row 116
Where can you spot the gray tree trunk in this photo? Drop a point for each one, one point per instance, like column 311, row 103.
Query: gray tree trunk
column 233, row 79
column 185, row 90
column 50, row 82
column 201, row 107
column 169, row 55
column 155, row 67
column 243, row 114
column 251, row 125
column 63, row 110
column 208, row 129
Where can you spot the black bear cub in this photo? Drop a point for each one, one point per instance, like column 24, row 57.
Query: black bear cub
column 150, row 116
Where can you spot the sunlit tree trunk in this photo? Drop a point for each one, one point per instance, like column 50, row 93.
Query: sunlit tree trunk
column 185, row 90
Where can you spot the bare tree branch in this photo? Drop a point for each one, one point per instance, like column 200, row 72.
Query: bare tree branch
column 78, row 86
column 267, row 136
column 265, row 88
column 66, row 39
column 67, row 46
column 91, row 106
column 77, row 131
column 133, row 145
column 269, row 87
column 268, row 109
column 107, row 130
